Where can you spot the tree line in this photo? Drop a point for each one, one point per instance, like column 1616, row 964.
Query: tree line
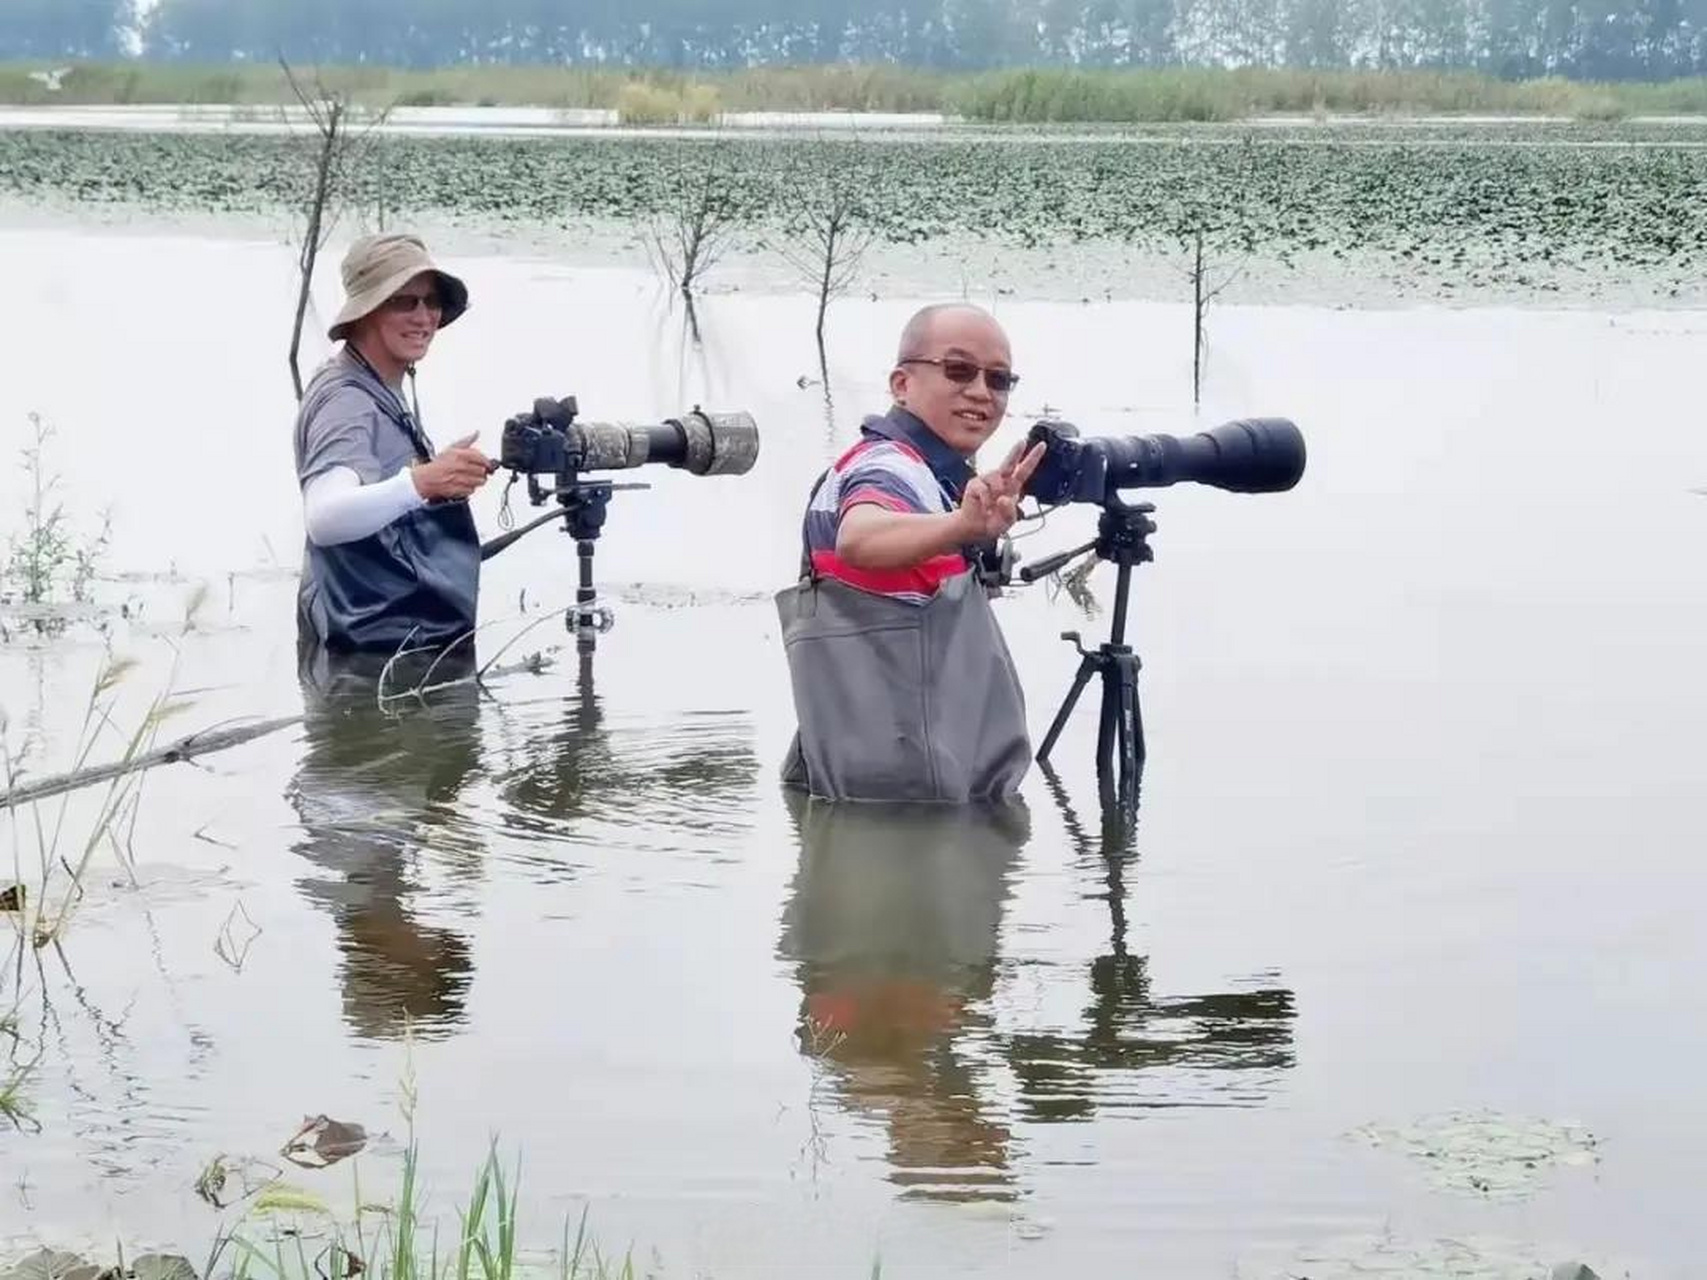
column 1580, row 39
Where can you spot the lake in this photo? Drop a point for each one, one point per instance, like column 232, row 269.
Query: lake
column 1425, row 771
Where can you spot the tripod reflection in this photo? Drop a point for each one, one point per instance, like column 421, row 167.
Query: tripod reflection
column 1134, row 1047
column 694, row 775
column 894, row 928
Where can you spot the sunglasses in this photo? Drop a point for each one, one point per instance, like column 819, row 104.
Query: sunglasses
column 962, row 372
column 405, row 303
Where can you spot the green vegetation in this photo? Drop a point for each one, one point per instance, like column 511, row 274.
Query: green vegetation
column 1468, row 206
column 833, row 88
column 45, row 561
column 1016, row 96
column 286, row 1233
column 1050, row 95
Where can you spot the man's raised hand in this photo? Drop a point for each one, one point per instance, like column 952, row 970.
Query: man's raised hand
column 457, row 471
column 990, row 505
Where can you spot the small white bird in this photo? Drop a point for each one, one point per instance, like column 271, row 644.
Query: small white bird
column 51, row 79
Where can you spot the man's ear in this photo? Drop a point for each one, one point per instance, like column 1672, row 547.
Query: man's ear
column 898, row 384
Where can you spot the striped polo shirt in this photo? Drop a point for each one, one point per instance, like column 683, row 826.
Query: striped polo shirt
column 899, row 464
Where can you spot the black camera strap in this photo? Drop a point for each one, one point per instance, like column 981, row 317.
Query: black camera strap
column 392, row 406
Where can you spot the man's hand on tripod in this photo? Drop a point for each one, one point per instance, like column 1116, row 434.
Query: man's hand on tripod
column 990, row 504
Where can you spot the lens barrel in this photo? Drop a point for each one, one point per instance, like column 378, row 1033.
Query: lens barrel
column 1252, row 455
column 704, row 444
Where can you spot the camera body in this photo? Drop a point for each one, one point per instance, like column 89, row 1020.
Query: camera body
column 1072, row 468
column 540, row 443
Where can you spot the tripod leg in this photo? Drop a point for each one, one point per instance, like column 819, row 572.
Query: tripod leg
column 586, row 636
column 1080, row 679
column 1110, row 731
column 1130, row 736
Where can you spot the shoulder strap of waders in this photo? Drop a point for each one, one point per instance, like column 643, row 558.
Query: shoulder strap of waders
column 805, row 543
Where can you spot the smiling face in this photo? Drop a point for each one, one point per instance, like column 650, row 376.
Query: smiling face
column 962, row 414
column 397, row 334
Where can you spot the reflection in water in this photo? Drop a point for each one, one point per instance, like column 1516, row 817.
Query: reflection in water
column 892, row 926
column 695, row 776
column 1129, row 1033
column 374, row 792
column 894, row 929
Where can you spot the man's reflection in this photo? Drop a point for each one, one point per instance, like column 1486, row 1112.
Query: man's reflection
column 892, row 926
column 373, row 791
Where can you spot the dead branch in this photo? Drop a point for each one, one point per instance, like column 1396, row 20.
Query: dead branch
column 192, row 746
column 186, row 748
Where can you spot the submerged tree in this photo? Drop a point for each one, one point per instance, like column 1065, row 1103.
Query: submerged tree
column 695, row 227
column 335, row 149
column 827, row 233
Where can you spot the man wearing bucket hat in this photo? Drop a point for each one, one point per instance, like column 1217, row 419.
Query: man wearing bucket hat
column 392, row 556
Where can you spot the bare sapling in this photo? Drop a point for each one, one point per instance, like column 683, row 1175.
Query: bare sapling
column 828, row 235
column 696, row 227
column 336, row 147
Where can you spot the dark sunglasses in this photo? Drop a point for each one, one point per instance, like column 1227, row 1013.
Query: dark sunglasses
column 405, row 303
column 1000, row 381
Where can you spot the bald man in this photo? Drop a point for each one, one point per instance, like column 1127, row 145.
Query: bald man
column 898, row 511
column 903, row 686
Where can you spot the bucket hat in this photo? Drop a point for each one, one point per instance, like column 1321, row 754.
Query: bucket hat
column 378, row 266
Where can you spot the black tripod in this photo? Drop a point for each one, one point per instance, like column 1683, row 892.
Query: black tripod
column 1121, row 534
column 581, row 506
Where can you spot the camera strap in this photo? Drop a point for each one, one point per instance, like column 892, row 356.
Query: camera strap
column 391, row 405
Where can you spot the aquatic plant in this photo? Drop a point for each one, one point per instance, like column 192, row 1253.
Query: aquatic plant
column 1467, row 205
column 46, row 562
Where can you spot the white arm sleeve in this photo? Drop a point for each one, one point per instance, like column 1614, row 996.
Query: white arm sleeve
column 338, row 507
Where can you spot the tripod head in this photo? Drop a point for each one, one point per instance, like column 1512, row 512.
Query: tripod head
column 581, row 505
column 1122, row 539
column 1122, row 532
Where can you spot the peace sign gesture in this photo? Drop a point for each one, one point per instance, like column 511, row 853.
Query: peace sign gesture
column 990, row 504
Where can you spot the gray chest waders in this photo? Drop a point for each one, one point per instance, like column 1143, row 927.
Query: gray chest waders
column 900, row 701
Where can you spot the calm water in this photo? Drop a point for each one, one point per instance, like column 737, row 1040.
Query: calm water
column 1419, row 830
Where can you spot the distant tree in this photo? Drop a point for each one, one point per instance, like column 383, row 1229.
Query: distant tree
column 1582, row 38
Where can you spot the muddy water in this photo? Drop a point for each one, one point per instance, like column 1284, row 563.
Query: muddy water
column 1418, row 831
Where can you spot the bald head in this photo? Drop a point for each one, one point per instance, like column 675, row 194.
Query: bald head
column 963, row 340
column 921, row 331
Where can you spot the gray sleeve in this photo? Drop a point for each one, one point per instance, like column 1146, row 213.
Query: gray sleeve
column 342, row 432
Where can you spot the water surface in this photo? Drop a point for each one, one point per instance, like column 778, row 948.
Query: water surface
column 1416, row 834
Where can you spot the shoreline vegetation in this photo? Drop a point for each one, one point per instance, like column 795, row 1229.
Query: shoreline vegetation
column 1018, row 96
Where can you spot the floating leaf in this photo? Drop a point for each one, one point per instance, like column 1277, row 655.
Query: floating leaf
column 162, row 1266
column 12, row 898
column 282, row 1198
column 1492, row 1155
column 323, row 1141
column 47, row 1264
column 1466, row 1257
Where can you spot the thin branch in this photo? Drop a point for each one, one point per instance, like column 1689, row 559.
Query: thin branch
column 184, row 749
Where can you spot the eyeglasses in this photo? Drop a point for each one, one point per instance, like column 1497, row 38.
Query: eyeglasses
column 962, row 372
column 405, row 303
